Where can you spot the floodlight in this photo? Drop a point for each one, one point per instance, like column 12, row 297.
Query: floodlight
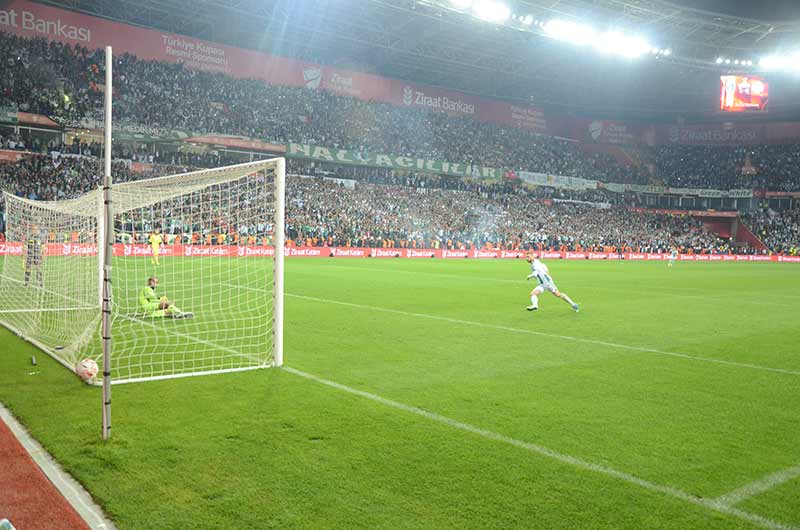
column 569, row 31
column 719, row 60
column 491, row 10
column 668, row 52
column 617, row 43
column 527, row 20
column 773, row 62
column 634, row 47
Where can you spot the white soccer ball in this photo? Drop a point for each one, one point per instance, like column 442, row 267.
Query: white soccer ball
column 87, row 370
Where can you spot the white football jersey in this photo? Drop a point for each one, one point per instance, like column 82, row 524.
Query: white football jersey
column 541, row 271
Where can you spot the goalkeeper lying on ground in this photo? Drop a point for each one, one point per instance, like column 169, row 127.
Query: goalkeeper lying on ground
column 156, row 307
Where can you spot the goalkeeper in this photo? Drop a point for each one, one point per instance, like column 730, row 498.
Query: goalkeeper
column 156, row 307
column 34, row 250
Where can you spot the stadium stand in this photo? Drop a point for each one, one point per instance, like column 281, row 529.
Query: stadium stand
column 780, row 231
column 63, row 83
column 383, row 210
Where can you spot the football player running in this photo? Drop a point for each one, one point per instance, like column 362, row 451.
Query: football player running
column 540, row 271
column 673, row 256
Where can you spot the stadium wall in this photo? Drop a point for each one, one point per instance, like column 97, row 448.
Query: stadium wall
column 220, row 251
column 32, row 20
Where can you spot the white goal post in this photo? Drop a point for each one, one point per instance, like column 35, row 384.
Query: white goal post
column 213, row 240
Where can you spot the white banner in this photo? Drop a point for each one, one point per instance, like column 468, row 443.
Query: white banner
column 576, row 183
column 557, row 181
column 601, row 205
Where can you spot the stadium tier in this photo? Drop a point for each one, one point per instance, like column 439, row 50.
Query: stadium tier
column 203, row 103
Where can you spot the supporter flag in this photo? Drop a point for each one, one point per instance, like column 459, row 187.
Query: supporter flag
column 511, row 175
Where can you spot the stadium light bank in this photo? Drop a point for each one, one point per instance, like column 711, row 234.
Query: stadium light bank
column 610, row 42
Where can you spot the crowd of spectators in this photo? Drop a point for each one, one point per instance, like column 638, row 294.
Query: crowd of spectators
column 49, row 178
column 430, row 181
column 416, row 211
column 780, row 231
column 45, row 77
column 769, row 167
column 322, row 211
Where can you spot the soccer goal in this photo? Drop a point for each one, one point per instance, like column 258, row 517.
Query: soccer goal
column 197, row 275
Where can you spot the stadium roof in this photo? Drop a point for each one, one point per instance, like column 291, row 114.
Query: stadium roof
column 427, row 41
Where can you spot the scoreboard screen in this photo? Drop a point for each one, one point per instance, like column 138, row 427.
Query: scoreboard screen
column 742, row 93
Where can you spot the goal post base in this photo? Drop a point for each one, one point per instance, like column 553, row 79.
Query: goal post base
column 188, row 374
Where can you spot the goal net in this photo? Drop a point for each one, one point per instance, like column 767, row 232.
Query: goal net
column 196, row 280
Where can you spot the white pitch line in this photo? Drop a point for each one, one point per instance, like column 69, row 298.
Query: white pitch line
column 760, row 486
column 711, row 504
column 551, row 335
column 90, row 512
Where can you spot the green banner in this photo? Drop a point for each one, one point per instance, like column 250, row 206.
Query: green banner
column 130, row 131
column 9, row 115
column 357, row 158
column 148, row 134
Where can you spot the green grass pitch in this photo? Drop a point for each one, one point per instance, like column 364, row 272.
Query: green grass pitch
column 456, row 408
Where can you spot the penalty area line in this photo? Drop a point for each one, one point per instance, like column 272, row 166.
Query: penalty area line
column 551, row 335
column 711, row 504
column 760, row 486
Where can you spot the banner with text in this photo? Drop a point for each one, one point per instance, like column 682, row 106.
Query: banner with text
column 221, row 251
column 575, row 183
column 129, row 131
column 352, row 157
column 556, row 181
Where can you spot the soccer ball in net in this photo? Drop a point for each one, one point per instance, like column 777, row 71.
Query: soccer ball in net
column 87, row 370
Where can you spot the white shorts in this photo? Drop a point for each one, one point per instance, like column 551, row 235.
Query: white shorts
column 548, row 286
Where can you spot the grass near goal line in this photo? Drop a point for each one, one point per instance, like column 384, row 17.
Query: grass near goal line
column 669, row 401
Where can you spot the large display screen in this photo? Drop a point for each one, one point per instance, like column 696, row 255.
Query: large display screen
column 742, row 93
